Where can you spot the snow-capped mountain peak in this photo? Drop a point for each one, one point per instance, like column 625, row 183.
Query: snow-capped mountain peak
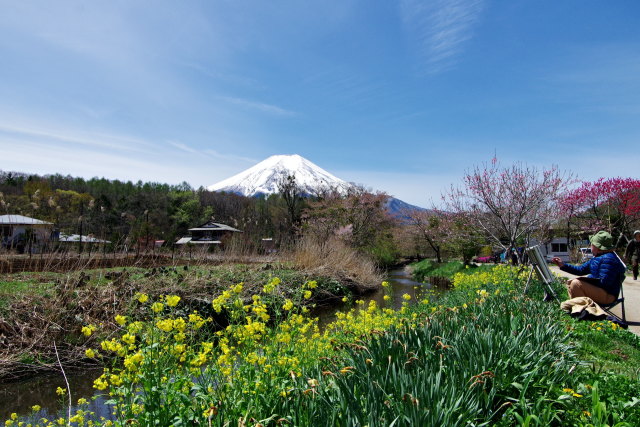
column 263, row 177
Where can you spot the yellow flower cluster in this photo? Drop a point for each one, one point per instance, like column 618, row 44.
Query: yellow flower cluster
column 88, row 330
column 506, row 276
column 248, row 355
column 172, row 300
column 271, row 286
column 604, row 325
column 571, row 392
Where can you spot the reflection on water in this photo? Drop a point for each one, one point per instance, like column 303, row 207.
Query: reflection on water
column 401, row 283
column 20, row 396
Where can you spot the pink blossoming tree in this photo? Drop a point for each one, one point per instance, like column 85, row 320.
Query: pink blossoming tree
column 611, row 204
column 508, row 204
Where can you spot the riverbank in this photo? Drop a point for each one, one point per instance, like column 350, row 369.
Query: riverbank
column 481, row 353
column 40, row 309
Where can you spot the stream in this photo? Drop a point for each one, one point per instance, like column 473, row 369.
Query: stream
column 20, row 396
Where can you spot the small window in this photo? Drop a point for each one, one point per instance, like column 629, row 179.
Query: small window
column 558, row 247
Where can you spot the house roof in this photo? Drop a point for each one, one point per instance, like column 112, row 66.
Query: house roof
column 21, row 220
column 185, row 240
column 76, row 238
column 214, row 226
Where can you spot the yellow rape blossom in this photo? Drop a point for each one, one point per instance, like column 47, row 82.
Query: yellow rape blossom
column 120, row 320
column 128, row 338
column 131, row 362
column 135, row 327
column 172, row 300
column 100, row 383
column 165, row 325
column 88, row 330
column 288, row 305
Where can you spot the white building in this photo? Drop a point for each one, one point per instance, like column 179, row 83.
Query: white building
column 17, row 230
column 556, row 247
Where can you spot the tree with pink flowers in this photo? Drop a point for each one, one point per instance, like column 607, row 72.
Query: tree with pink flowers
column 508, row 204
column 611, row 204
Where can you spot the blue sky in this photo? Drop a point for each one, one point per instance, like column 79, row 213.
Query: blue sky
column 401, row 96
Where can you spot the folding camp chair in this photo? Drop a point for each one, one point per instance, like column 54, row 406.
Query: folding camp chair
column 539, row 265
column 619, row 300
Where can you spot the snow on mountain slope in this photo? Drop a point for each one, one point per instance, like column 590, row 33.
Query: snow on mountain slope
column 263, row 177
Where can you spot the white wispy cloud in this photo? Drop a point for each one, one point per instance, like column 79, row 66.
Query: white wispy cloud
column 231, row 157
column 208, row 152
column 183, row 147
column 266, row 108
column 440, row 28
column 57, row 135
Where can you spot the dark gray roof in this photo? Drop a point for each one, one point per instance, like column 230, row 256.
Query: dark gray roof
column 214, row 226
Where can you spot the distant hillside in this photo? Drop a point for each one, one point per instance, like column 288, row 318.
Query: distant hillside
column 400, row 209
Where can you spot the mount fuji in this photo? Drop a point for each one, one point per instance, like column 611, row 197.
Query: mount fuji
column 262, row 180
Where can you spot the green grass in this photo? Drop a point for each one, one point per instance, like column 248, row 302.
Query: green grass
column 10, row 289
column 612, row 350
column 428, row 268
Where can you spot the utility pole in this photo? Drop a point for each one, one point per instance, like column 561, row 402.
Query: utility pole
column 146, row 224
column 81, row 214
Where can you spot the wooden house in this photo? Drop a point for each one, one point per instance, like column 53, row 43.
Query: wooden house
column 210, row 233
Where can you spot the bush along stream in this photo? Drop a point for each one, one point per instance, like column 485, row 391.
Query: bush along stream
column 481, row 354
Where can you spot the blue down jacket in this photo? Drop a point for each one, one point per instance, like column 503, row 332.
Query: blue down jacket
column 606, row 267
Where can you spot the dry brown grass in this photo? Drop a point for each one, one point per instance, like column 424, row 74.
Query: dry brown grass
column 36, row 322
column 335, row 259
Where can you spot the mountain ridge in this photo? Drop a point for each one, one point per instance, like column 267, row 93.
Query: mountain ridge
column 262, row 180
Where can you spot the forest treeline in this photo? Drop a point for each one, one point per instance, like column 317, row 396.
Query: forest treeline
column 124, row 212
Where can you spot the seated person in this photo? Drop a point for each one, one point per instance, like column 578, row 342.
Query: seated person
column 605, row 272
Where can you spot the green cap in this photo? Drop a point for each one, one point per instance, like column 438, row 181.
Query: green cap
column 602, row 240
